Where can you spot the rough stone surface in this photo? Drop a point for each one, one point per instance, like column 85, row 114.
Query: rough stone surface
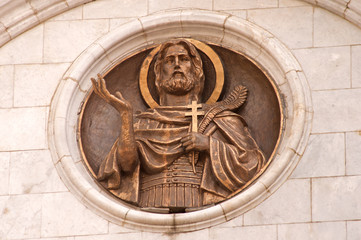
column 353, row 153
column 65, row 40
column 4, row 173
column 290, row 204
column 332, row 30
column 256, row 232
column 34, row 85
column 243, row 4
column 353, row 230
column 336, row 110
column 22, row 129
column 63, row 215
column 33, row 172
column 336, row 198
column 7, row 86
column 282, row 21
column 313, row 231
column 325, row 156
column 20, row 216
column 115, row 9
column 326, row 68
column 27, row 48
column 356, row 70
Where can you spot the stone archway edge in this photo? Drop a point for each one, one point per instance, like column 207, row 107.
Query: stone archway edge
column 226, row 30
column 16, row 17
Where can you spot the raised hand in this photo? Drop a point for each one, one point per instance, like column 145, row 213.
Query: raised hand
column 117, row 101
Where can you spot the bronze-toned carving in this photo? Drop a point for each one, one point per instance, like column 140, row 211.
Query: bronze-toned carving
column 182, row 153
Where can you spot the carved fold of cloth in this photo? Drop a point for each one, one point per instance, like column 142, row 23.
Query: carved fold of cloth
column 164, row 177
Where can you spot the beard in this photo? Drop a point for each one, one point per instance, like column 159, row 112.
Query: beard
column 178, row 83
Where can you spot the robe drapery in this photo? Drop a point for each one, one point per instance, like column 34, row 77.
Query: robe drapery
column 233, row 158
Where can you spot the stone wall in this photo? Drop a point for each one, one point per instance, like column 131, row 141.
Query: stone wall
column 320, row 200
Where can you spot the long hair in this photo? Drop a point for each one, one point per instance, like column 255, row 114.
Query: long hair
column 195, row 60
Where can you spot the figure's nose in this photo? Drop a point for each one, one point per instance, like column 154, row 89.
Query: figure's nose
column 176, row 61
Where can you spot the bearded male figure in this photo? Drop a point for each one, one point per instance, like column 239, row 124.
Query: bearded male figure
column 157, row 161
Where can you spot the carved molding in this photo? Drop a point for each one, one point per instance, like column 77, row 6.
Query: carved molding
column 16, row 17
column 19, row 16
column 349, row 10
column 225, row 30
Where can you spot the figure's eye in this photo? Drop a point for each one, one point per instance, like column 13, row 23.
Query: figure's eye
column 169, row 60
column 185, row 58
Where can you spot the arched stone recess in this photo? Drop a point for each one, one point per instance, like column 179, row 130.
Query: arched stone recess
column 225, row 30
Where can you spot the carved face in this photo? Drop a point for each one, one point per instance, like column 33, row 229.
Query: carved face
column 177, row 71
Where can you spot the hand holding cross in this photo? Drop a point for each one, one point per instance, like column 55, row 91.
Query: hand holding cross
column 195, row 141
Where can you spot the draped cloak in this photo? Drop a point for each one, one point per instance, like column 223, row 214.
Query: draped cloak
column 233, row 158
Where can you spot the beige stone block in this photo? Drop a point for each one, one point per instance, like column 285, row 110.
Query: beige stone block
column 336, row 198
column 22, row 129
column 332, row 30
column 243, row 4
column 162, row 236
column 63, row 215
column 115, row 9
column 113, row 236
column 158, row 5
column 20, row 216
column 114, row 228
column 26, row 48
column 289, row 204
column 201, row 234
column 65, row 40
column 238, row 13
column 7, row 86
column 116, row 22
column 293, row 26
column 336, row 111
column 353, row 230
column 72, row 14
column 60, row 238
column 353, row 153
column 35, row 84
column 326, row 68
column 313, row 231
column 292, row 3
column 254, row 232
column 34, row 172
column 356, row 63
column 4, row 173
column 324, row 156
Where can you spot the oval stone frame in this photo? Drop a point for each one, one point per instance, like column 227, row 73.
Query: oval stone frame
column 258, row 45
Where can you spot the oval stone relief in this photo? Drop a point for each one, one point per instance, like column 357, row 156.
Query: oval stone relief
column 170, row 157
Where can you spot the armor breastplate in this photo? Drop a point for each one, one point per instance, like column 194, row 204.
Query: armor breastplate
column 176, row 186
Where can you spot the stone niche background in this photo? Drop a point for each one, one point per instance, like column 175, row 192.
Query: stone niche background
column 227, row 31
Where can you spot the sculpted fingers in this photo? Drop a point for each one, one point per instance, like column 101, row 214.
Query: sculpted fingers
column 186, row 138
column 188, row 142
column 188, row 146
column 97, row 88
column 103, row 87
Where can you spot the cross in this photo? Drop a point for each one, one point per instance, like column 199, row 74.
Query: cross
column 194, row 113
